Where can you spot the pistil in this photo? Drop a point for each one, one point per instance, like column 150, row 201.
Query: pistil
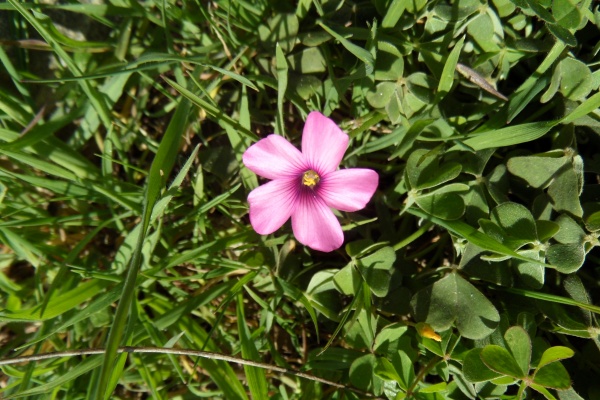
column 310, row 178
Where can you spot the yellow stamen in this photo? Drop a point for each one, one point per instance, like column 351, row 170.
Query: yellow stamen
column 310, row 178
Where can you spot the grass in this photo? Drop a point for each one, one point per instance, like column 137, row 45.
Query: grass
column 128, row 265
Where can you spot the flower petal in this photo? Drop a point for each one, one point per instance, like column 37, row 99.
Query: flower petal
column 323, row 143
column 348, row 189
column 274, row 157
column 272, row 204
column 315, row 225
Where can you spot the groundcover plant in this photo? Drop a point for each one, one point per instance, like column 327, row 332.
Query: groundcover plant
column 312, row 199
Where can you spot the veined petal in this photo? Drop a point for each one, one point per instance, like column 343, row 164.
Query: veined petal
column 348, row 189
column 274, row 157
column 315, row 225
column 272, row 204
column 323, row 143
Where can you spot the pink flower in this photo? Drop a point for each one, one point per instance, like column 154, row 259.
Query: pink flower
column 306, row 185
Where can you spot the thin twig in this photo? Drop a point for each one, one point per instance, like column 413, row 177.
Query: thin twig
column 183, row 352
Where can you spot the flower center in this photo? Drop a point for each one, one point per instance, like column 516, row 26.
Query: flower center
column 310, row 178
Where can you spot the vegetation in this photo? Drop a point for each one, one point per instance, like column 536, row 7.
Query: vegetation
column 471, row 274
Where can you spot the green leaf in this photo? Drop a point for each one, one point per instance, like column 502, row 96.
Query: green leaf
column 360, row 53
column 447, row 205
column 59, row 304
column 500, row 360
column 389, row 66
column 283, row 30
column 592, row 221
column 391, row 339
column 554, row 354
column 566, row 258
column 538, row 170
column 497, row 184
column 454, row 301
column 540, row 11
column 161, row 167
column 531, row 274
column 583, row 109
column 307, row 61
column 576, row 79
column 424, row 172
column 282, row 82
column 519, row 344
column 546, row 229
column 516, row 221
column 447, row 78
column 566, row 13
column 376, row 270
column 257, row 378
column 562, row 34
column 95, row 99
column 474, row 236
column 380, row 96
column 570, row 231
column 553, row 376
column 81, row 368
column 393, row 14
column 508, row 136
column 362, row 374
column 543, row 391
column 385, row 370
column 213, row 112
column 405, row 367
column 347, row 280
column 565, row 191
column 474, row 370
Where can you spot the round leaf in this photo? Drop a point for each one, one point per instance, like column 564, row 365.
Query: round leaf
column 362, row 374
column 592, row 221
column 448, row 206
column 530, row 273
column 500, row 360
column 519, row 344
column 376, row 270
column 381, row 95
column 423, row 170
column 388, row 67
column 564, row 192
column 347, row 280
column 576, row 82
column 537, row 170
column 567, row 258
column 516, row 220
column 570, row 231
column 475, row 370
column 555, row 353
column 553, row 376
column 391, row 339
column 453, row 300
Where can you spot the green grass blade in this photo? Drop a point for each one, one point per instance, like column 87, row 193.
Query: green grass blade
column 85, row 366
column 161, row 167
column 92, row 94
column 257, row 379
column 589, row 105
column 360, row 53
column 21, row 246
column 508, row 136
column 447, row 78
column 59, row 304
column 211, row 110
column 474, row 236
column 60, row 153
column 551, row 298
column 282, row 82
